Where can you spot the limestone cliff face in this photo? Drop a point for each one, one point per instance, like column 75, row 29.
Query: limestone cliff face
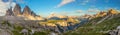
column 17, row 10
column 39, row 18
column 30, row 15
column 34, row 18
column 101, row 14
column 33, row 14
column 112, row 11
column 27, row 13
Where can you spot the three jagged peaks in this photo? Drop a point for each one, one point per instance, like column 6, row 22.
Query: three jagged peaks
column 27, row 13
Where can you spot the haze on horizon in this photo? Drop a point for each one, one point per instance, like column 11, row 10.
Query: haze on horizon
column 62, row 7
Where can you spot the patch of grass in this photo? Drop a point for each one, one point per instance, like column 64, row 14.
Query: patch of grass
column 54, row 21
column 16, row 33
column 6, row 23
column 18, row 28
column 40, row 33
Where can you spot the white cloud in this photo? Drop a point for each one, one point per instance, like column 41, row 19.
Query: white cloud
column 79, row 11
column 13, row 4
column 85, row 2
column 93, row 10
column 4, row 6
column 64, row 2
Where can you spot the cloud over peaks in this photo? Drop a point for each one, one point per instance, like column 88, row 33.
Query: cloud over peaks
column 79, row 11
column 4, row 6
column 64, row 2
column 93, row 10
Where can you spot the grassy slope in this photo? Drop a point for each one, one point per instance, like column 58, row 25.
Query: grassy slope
column 99, row 29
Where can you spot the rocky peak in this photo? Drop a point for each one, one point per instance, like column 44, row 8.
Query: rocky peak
column 86, row 16
column 112, row 11
column 17, row 10
column 27, row 11
column 33, row 14
column 101, row 14
column 9, row 12
column 51, row 15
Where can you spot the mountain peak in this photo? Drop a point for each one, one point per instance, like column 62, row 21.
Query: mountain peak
column 112, row 11
column 26, row 11
column 9, row 12
column 17, row 10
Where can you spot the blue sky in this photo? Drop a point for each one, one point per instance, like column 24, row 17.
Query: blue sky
column 68, row 7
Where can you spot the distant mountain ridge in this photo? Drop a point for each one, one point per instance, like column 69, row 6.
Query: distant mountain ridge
column 102, row 23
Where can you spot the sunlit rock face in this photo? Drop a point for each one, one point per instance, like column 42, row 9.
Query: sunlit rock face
column 34, row 18
column 54, row 16
column 101, row 14
column 39, row 18
column 17, row 10
column 30, row 15
column 62, row 23
column 26, row 11
column 112, row 11
column 61, row 16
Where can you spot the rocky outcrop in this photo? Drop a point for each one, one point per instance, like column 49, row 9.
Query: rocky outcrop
column 33, row 14
column 30, row 15
column 54, row 16
column 39, row 18
column 27, row 11
column 17, row 10
column 112, row 11
column 115, row 31
column 101, row 14
column 87, row 16
column 9, row 12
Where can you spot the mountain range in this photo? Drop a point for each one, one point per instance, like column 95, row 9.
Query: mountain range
column 102, row 23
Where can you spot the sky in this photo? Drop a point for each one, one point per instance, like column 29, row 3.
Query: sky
column 62, row 7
